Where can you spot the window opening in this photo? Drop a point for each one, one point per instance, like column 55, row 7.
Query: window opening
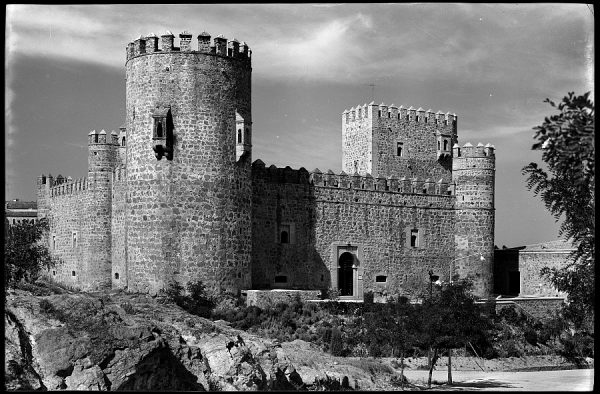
column 74, row 236
column 239, row 136
column 116, row 275
column 381, row 279
column 123, row 142
column 414, row 238
column 399, row 147
column 439, row 145
column 72, row 273
column 379, row 113
column 96, row 138
column 445, row 144
column 285, row 237
column 280, row 279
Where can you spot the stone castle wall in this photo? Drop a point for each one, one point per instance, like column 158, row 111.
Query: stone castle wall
column 530, row 264
column 328, row 217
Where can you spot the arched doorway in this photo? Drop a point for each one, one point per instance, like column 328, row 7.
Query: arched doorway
column 346, row 274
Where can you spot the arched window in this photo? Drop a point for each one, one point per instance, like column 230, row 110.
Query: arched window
column 123, row 141
column 239, row 136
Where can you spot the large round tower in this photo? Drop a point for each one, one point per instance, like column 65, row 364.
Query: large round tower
column 188, row 122
column 473, row 173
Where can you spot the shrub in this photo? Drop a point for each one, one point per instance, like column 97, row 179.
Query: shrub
column 336, row 345
column 197, row 301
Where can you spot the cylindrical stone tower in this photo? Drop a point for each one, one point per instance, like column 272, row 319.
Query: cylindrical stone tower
column 188, row 195
column 95, row 240
column 473, row 172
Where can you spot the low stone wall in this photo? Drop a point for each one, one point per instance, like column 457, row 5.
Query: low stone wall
column 263, row 298
column 542, row 308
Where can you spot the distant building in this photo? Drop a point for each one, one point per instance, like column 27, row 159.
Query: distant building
column 16, row 211
column 517, row 270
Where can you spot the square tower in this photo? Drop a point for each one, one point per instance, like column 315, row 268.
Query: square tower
column 401, row 142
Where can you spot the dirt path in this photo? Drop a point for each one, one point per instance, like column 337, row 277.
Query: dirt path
column 568, row 380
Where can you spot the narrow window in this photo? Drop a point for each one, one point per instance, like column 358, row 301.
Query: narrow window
column 54, row 273
column 398, row 115
column 445, row 144
column 159, row 130
column 285, row 237
column 389, row 114
column 399, row 147
column 53, row 241
column 74, row 239
column 123, row 142
column 407, row 116
column 280, row 279
column 96, row 138
column 239, row 136
column 426, row 120
column 439, row 145
column 116, row 275
column 72, row 273
column 414, row 238
column 381, row 279
column 458, row 152
column 379, row 113
column 417, row 118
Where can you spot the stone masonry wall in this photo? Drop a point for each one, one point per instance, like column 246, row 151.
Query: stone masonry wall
column 530, row 264
column 329, row 220
column 119, row 230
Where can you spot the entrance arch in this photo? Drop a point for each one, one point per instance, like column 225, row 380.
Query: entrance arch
column 346, row 274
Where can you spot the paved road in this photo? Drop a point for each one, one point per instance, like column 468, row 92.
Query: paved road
column 569, row 380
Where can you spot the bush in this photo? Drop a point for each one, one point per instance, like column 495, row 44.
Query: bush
column 26, row 255
column 336, row 345
column 197, row 301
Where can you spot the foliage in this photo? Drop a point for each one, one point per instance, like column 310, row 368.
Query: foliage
column 566, row 140
column 197, row 300
column 25, row 253
column 336, row 346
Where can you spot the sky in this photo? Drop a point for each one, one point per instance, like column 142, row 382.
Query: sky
column 491, row 64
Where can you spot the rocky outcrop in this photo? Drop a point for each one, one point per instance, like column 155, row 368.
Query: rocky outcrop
column 117, row 341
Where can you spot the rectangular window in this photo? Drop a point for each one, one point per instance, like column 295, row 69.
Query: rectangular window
column 414, row 238
column 53, row 242
column 74, row 239
column 399, row 148
column 381, row 279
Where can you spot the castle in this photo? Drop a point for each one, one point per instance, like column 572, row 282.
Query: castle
column 175, row 196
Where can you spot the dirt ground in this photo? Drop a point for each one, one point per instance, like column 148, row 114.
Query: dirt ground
column 567, row 380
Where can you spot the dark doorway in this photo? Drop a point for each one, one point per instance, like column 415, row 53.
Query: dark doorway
column 346, row 274
column 514, row 285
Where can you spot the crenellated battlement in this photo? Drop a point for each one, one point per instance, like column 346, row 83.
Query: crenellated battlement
column 479, row 151
column 401, row 114
column 68, row 186
column 416, row 185
column 151, row 44
column 102, row 137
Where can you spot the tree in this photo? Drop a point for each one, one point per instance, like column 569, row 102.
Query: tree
column 451, row 319
column 567, row 186
column 25, row 254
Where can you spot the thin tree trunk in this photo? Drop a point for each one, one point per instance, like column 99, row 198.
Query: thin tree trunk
column 450, row 366
column 433, row 361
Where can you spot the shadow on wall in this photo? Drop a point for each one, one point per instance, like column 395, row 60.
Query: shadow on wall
column 284, row 230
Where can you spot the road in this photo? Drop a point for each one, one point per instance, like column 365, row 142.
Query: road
column 568, row 380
